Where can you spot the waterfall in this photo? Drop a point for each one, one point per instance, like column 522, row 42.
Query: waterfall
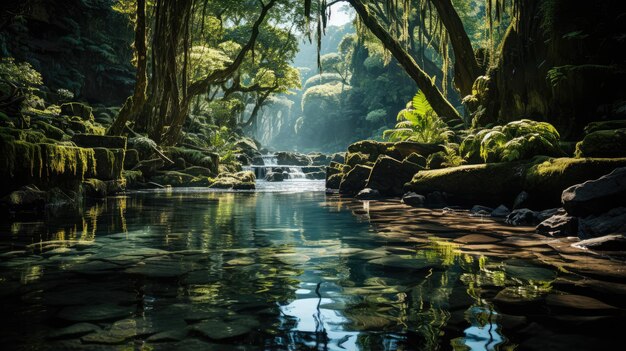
column 296, row 173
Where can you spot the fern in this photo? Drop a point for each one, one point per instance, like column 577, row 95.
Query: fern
column 419, row 123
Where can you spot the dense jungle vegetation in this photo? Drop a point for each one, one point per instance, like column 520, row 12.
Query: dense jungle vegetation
column 222, row 76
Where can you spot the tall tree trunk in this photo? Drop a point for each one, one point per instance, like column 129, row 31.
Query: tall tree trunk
column 466, row 68
column 439, row 103
column 134, row 104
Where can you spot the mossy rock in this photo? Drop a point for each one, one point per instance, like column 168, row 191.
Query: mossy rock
column 109, row 163
column 198, row 171
column 355, row 180
column 333, row 181
column 603, row 143
column 77, row 109
column 131, row 159
column 204, row 159
column 94, row 140
column 417, row 159
column 543, row 178
column 359, row 158
column 488, row 184
column 546, row 178
column 173, row 178
column 436, row 160
column 49, row 130
column 389, row 175
column 94, row 188
column 605, row 125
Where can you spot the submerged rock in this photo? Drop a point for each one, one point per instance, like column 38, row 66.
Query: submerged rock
column 615, row 242
column 414, row 200
column 596, row 196
column 559, row 225
column 368, row 194
column 500, row 212
column 274, row 176
column 526, row 216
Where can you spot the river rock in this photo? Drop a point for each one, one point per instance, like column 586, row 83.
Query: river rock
column 334, row 181
column 482, row 210
column 94, row 188
column 437, row 199
column 26, row 198
column 596, row 196
column 173, row 178
column 315, row 175
column 292, row 159
column 612, row 222
column 603, row 143
column 198, row 171
column 414, row 200
column 616, row 242
column 274, row 176
column 319, row 159
column 559, row 225
column 368, row 194
column 389, row 175
column 149, row 167
column 355, row 180
column 524, row 216
column 339, row 157
column 500, row 212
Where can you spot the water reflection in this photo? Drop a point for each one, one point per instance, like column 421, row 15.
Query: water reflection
column 272, row 270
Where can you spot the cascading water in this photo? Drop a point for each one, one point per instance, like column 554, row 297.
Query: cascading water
column 296, row 173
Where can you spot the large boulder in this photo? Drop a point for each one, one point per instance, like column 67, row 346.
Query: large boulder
column 596, row 196
column 319, row 159
column 334, row 180
column 339, row 157
column 109, row 163
column 389, row 175
column 244, row 180
column 398, row 150
column 275, row 176
column 543, row 178
column 612, row 222
column 194, row 157
column 292, row 159
column 413, row 199
column 77, row 109
column 355, row 180
column 603, row 143
column 93, row 140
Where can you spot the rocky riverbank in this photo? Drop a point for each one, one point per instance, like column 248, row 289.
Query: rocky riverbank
column 583, row 197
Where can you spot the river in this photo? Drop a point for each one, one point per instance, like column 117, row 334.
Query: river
column 289, row 268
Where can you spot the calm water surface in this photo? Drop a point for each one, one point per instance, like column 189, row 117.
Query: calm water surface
column 268, row 270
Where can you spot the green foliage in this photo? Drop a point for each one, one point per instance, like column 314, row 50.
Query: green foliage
column 376, row 116
column 418, row 122
column 324, row 78
column 515, row 141
column 22, row 75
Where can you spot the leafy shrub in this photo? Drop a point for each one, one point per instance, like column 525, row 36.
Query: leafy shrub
column 516, row 140
column 418, row 122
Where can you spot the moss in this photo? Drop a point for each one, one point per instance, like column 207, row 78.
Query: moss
column 174, row 178
column 195, row 157
column 603, row 143
column 50, row 131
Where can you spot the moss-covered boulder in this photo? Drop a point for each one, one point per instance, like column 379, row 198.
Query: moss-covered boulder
column 603, row 143
column 193, row 157
column 244, row 180
column 355, row 180
column 389, row 175
column 605, row 125
column 94, row 140
column 109, row 163
column 543, row 178
column 77, row 109
column 292, row 159
column 173, row 178
column 398, row 150
column 334, row 181
column 359, row 158
column 49, row 130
